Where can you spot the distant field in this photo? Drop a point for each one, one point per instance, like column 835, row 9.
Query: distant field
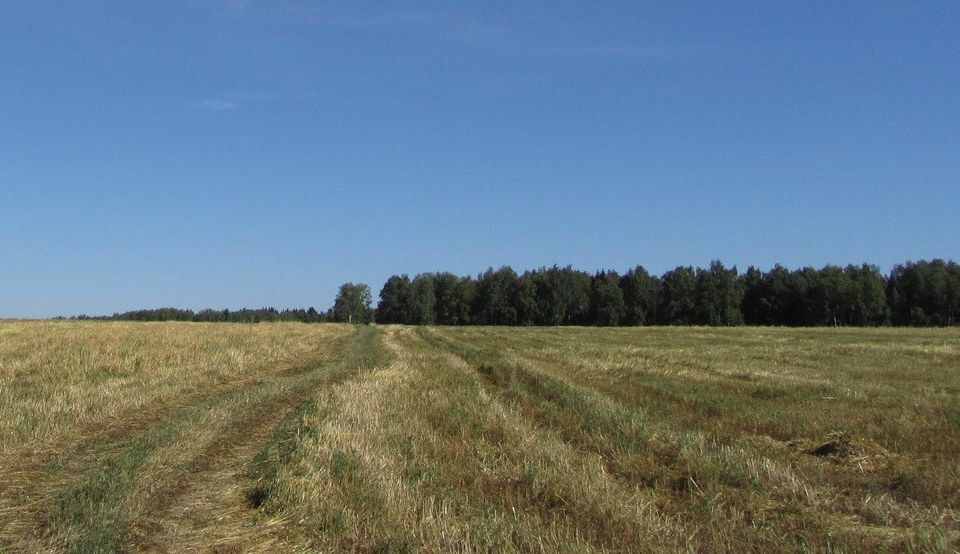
column 294, row 437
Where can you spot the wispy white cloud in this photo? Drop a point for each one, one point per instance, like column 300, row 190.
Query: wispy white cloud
column 335, row 14
column 237, row 100
column 635, row 52
column 457, row 26
column 217, row 104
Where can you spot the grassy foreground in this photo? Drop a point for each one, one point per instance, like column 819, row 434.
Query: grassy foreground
column 291, row 437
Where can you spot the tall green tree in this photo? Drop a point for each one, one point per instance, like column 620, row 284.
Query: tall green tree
column 869, row 301
column 718, row 296
column 494, row 303
column 353, row 303
column 783, row 301
column 678, row 296
column 422, row 300
column 562, row 296
column 753, row 285
column 925, row 293
column 525, row 299
column 394, row 300
column 606, row 299
column 639, row 296
column 454, row 296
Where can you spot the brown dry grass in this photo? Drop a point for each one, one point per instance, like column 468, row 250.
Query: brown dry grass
column 55, row 376
column 758, row 439
column 76, row 398
column 634, row 440
column 329, row 438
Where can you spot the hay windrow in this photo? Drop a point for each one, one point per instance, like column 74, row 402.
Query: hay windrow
column 367, row 438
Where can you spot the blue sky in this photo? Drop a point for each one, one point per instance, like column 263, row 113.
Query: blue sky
column 255, row 153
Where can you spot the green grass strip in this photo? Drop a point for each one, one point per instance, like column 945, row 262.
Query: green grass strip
column 92, row 516
column 366, row 351
column 607, row 426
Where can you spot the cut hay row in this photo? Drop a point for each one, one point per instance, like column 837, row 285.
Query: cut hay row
column 395, row 438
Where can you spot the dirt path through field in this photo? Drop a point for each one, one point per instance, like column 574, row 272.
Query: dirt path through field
column 206, row 435
column 206, row 506
column 207, row 503
column 32, row 478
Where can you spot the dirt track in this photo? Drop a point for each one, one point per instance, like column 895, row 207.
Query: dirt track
column 190, row 489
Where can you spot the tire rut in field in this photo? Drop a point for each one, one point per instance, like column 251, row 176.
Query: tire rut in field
column 103, row 479
column 32, row 483
column 201, row 503
column 32, row 480
column 87, row 439
column 207, row 507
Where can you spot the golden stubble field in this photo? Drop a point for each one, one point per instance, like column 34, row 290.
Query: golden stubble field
column 293, row 437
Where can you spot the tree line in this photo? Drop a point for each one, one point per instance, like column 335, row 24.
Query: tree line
column 923, row 293
column 916, row 293
column 245, row 315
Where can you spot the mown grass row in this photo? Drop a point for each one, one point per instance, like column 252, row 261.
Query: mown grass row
column 733, row 486
column 682, row 471
column 479, row 439
column 92, row 515
column 473, row 439
column 366, row 352
column 893, row 400
column 98, row 511
column 579, row 414
column 417, row 455
column 57, row 376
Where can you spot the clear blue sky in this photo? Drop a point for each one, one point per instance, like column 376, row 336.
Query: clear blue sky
column 256, row 153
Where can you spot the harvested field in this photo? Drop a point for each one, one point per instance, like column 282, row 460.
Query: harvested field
column 294, row 437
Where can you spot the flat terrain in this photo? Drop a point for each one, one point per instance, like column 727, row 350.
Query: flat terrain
column 293, row 437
